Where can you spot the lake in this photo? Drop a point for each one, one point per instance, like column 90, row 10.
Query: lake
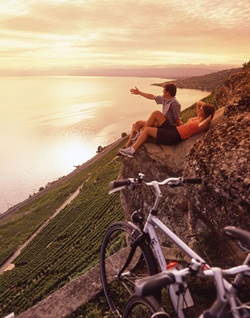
column 48, row 125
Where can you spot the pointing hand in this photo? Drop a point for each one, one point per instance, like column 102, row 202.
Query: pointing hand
column 134, row 91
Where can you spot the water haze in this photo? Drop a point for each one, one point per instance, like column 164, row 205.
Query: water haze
column 48, row 125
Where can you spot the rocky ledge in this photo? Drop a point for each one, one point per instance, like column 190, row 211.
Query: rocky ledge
column 220, row 157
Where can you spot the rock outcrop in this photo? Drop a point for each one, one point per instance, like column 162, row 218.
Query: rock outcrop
column 220, row 157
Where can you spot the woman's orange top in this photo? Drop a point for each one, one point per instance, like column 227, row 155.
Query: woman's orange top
column 190, row 128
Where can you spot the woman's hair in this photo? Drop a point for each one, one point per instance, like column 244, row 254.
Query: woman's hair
column 208, row 110
column 171, row 88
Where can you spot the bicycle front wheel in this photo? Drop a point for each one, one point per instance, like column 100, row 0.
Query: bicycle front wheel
column 115, row 249
column 139, row 307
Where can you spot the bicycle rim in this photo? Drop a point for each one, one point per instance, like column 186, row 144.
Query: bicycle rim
column 115, row 248
column 148, row 307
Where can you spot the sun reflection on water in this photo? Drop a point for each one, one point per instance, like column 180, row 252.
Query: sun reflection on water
column 50, row 125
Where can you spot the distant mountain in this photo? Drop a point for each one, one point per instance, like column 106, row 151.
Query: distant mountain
column 177, row 72
column 208, row 82
column 158, row 71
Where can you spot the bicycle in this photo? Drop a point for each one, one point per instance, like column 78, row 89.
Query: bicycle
column 127, row 250
column 144, row 307
column 226, row 302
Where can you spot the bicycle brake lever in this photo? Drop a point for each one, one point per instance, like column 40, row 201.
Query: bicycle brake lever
column 116, row 189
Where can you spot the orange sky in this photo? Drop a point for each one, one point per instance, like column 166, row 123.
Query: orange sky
column 66, row 35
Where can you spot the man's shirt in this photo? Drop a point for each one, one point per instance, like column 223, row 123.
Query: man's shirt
column 171, row 108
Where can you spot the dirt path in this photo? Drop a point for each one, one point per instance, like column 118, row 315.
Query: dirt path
column 7, row 264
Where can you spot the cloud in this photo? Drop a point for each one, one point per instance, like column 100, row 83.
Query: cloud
column 64, row 33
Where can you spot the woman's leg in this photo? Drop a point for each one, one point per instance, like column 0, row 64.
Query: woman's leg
column 137, row 126
column 156, row 119
column 147, row 132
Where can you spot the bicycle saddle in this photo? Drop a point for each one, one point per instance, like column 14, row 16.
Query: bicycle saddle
column 238, row 234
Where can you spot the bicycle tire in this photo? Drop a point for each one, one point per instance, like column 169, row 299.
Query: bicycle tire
column 147, row 307
column 115, row 248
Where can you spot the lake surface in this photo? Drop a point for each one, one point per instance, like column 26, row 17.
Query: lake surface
column 48, row 125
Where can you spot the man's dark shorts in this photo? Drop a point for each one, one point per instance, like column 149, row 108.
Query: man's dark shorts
column 168, row 134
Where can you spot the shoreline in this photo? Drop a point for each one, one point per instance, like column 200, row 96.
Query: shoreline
column 31, row 197
column 60, row 181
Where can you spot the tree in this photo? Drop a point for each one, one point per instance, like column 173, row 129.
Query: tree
column 246, row 66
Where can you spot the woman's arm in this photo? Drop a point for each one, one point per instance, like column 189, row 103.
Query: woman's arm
column 205, row 123
column 136, row 91
column 199, row 104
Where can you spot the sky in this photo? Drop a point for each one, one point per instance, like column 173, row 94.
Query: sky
column 67, row 36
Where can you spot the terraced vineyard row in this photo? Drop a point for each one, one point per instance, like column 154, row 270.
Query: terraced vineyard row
column 69, row 245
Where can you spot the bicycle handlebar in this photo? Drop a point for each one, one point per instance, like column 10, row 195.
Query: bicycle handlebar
column 193, row 180
column 172, row 182
column 119, row 183
column 146, row 286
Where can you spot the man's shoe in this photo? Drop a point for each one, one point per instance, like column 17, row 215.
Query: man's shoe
column 118, row 153
column 127, row 152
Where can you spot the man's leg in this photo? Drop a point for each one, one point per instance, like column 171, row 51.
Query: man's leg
column 147, row 132
column 155, row 119
column 137, row 126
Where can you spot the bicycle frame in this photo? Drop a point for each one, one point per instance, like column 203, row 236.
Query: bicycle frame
column 225, row 288
column 224, row 297
column 150, row 225
column 229, row 291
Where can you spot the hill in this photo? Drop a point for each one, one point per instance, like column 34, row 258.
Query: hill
column 208, row 82
column 220, row 157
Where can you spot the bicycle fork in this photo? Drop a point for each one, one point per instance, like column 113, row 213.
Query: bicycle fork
column 139, row 239
column 179, row 293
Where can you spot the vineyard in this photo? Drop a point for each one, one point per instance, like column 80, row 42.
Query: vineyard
column 68, row 246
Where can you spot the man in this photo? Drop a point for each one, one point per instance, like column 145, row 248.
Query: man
column 170, row 114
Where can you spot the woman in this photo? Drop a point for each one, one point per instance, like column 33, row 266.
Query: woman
column 172, row 135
